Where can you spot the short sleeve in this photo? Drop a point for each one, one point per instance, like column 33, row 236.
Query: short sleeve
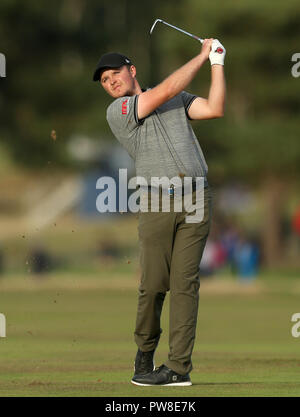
column 122, row 116
column 187, row 101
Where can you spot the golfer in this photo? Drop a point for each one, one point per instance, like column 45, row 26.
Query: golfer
column 154, row 126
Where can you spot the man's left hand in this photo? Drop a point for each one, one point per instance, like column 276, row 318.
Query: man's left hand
column 217, row 54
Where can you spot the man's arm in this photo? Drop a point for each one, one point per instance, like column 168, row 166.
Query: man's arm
column 213, row 106
column 174, row 84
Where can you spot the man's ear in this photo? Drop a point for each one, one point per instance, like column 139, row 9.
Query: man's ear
column 132, row 71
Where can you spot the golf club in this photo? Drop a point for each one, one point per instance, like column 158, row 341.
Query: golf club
column 175, row 27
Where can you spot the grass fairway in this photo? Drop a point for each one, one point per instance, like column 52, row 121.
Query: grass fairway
column 77, row 340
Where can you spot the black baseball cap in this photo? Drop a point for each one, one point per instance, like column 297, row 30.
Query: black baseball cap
column 110, row 60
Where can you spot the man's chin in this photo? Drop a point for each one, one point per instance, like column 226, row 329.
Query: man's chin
column 117, row 94
column 120, row 93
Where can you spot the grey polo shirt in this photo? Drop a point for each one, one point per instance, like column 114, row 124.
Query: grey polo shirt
column 163, row 144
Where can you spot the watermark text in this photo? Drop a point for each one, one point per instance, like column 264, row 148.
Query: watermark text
column 296, row 327
column 185, row 193
column 296, row 67
column 2, row 325
column 2, row 66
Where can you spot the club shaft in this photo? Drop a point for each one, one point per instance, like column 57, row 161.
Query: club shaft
column 183, row 31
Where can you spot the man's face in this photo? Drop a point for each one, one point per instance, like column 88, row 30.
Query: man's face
column 119, row 82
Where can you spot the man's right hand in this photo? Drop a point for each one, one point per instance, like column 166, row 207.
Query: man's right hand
column 150, row 100
column 206, row 48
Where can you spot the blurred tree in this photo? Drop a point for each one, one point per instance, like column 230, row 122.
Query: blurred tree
column 257, row 141
column 52, row 48
column 51, row 51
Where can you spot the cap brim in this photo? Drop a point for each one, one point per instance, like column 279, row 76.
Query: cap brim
column 97, row 73
column 96, row 76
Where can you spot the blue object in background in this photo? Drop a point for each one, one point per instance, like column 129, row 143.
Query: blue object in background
column 247, row 260
column 87, row 207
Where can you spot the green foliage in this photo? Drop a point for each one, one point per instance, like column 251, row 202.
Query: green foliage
column 52, row 49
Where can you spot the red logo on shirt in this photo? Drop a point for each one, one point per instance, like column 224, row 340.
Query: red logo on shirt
column 124, row 107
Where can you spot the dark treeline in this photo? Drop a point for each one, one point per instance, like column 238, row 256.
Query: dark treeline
column 51, row 49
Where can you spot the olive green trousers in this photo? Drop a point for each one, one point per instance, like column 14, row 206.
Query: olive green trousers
column 170, row 255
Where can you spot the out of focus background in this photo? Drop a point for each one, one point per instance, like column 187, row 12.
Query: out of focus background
column 69, row 274
column 55, row 141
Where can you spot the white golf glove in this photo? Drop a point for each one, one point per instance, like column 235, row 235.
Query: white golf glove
column 217, row 53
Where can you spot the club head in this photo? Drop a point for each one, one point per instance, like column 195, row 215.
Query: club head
column 152, row 28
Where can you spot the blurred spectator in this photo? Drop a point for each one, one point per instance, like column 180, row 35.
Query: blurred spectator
column 229, row 240
column 108, row 251
column 296, row 222
column 246, row 256
column 214, row 257
column 40, row 261
column 228, row 246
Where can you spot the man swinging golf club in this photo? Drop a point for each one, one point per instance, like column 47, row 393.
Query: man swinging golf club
column 154, row 127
